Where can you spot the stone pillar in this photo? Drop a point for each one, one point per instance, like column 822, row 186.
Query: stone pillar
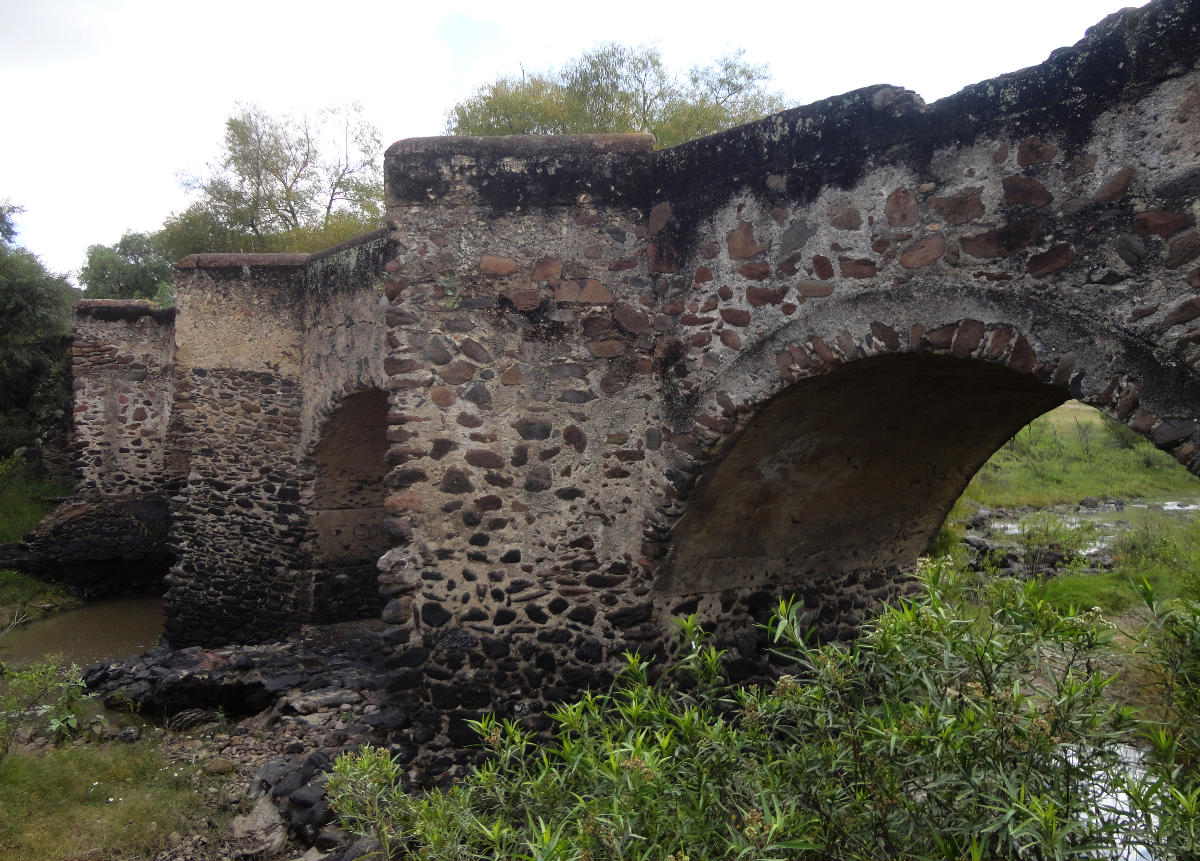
column 238, row 526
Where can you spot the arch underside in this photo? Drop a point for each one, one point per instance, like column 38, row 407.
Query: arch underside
column 347, row 515
column 847, row 472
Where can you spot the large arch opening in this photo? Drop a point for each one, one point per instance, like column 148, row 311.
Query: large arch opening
column 847, row 472
column 346, row 514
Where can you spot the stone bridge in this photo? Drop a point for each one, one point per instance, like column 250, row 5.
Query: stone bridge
column 578, row 386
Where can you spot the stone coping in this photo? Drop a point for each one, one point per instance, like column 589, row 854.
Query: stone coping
column 275, row 260
column 226, row 260
column 123, row 309
column 518, row 146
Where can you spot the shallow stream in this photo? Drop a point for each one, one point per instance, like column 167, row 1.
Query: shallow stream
column 1111, row 517
column 95, row 632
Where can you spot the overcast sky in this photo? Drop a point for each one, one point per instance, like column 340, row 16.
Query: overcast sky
column 108, row 102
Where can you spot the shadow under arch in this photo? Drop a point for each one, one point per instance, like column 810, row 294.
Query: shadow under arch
column 851, row 470
column 345, row 509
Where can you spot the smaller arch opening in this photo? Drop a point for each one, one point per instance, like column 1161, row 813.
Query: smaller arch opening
column 346, row 515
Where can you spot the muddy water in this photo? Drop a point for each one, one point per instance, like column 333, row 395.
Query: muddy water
column 96, row 632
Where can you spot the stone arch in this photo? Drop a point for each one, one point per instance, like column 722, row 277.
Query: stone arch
column 344, row 504
column 830, row 451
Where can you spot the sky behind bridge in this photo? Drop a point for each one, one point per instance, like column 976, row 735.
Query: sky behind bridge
column 108, row 103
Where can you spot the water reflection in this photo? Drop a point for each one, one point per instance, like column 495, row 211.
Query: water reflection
column 96, row 632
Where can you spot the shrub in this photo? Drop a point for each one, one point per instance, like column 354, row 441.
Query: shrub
column 966, row 724
column 1166, row 795
column 46, row 695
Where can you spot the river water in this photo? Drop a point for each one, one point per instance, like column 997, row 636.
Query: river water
column 95, row 632
column 1110, row 518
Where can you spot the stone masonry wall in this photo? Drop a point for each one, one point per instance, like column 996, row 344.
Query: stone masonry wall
column 267, row 345
column 766, row 362
column 522, row 362
column 1054, row 239
column 111, row 535
column 238, row 527
column 122, row 360
column 344, row 437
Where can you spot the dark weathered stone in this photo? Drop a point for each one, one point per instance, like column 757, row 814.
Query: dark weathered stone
column 532, row 429
column 456, row 481
column 538, row 479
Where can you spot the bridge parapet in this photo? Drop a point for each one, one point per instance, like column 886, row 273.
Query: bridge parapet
column 606, row 414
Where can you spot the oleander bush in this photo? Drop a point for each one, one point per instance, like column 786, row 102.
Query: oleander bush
column 970, row 723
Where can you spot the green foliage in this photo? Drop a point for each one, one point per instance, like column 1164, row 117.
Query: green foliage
column 46, row 695
column 198, row 230
column 35, row 308
column 1161, row 553
column 93, row 801
column 1045, row 537
column 24, row 598
column 134, row 268
column 24, row 498
column 8, row 228
column 617, row 89
column 1167, row 794
column 278, row 174
column 281, row 184
column 1073, row 452
column 968, row 724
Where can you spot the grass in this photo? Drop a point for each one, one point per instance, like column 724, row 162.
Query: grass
column 1068, row 454
column 24, row 501
column 1162, row 553
column 113, row 801
column 1074, row 452
column 17, row 589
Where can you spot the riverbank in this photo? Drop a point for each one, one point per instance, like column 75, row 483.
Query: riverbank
column 237, row 771
column 24, row 500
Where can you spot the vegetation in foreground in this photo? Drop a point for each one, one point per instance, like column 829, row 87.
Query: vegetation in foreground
column 978, row 721
column 108, row 800
column 967, row 724
column 92, row 801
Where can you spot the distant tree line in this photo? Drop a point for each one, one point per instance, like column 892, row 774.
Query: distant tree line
column 279, row 184
column 283, row 183
column 619, row 89
column 34, row 309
